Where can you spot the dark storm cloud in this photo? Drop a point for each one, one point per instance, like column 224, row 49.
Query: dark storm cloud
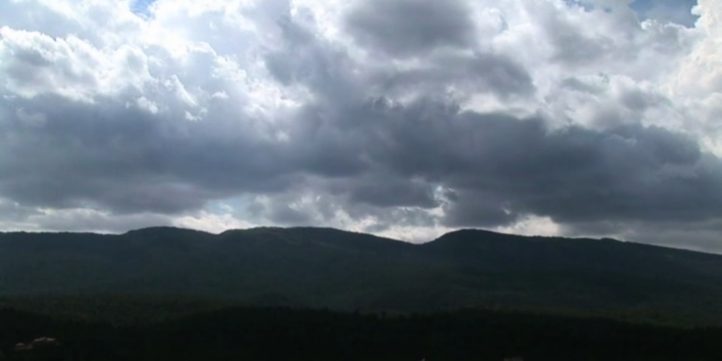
column 384, row 190
column 125, row 160
column 492, row 168
column 471, row 208
column 499, row 167
column 410, row 27
column 303, row 59
column 466, row 74
column 329, row 71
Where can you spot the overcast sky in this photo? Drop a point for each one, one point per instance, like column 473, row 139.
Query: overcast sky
column 404, row 118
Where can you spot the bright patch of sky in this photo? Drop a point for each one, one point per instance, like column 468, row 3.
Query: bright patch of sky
column 678, row 11
column 141, row 6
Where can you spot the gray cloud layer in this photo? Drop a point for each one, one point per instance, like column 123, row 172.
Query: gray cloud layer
column 410, row 27
column 421, row 115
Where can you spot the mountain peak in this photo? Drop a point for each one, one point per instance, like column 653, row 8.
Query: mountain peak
column 475, row 235
column 470, row 235
column 162, row 230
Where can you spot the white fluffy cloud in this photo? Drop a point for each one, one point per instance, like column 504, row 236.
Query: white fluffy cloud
column 403, row 118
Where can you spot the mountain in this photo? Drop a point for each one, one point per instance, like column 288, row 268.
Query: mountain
column 272, row 334
column 329, row 268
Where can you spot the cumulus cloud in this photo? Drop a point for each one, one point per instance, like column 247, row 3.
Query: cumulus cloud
column 405, row 118
column 411, row 27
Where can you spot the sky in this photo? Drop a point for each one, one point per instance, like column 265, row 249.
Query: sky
column 402, row 118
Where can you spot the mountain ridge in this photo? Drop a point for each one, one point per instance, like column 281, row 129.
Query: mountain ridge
column 340, row 270
column 461, row 231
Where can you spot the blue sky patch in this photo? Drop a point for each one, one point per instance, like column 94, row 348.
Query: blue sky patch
column 141, row 6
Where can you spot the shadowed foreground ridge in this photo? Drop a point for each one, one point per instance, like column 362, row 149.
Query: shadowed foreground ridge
column 338, row 270
column 290, row 334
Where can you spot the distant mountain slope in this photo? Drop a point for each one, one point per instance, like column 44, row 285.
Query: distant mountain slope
column 318, row 267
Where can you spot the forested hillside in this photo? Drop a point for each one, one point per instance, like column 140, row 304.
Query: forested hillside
column 327, row 268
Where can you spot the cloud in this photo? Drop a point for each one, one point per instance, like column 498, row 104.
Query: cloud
column 405, row 118
column 410, row 27
column 500, row 168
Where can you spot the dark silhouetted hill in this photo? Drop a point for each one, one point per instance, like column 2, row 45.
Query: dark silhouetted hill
column 329, row 268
